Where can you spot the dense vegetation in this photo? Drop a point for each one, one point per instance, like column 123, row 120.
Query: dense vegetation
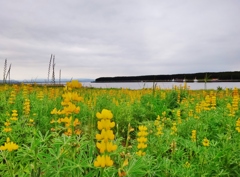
column 201, row 77
column 76, row 131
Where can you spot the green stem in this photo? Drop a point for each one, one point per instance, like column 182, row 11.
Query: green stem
column 101, row 172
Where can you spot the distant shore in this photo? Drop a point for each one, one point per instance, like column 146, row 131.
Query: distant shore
column 201, row 81
column 228, row 76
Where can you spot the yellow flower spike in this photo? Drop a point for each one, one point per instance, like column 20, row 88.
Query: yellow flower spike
column 105, row 137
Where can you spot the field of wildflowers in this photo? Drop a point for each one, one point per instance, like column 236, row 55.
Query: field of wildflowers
column 49, row 131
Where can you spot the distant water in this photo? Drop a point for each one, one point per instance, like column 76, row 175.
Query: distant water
column 163, row 85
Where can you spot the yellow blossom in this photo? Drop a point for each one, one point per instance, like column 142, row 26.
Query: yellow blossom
column 205, row 142
column 8, row 129
column 103, row 161
column 105, row 124
column 140, row 153
column 105, row 114
column 105, row 135
column 10, row 146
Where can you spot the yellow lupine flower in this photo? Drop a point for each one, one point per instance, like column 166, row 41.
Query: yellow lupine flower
column 103, row 161
column 103, row 146
column 140, row 153
column 105, row 135
column 142, row 140
column 10, row 146
column 8, row 129
column 105, row 124
column 7, row 124
column 105, row 114
column 76, row 122
column 142, row 146
column 142, row 128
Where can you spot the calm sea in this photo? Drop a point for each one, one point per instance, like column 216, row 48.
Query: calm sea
column 163, row 85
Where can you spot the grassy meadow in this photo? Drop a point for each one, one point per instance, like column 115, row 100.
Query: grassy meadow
column 75, row 131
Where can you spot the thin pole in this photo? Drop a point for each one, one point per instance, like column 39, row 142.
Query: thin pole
column 49, row 67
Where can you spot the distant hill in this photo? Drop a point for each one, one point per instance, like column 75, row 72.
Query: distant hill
column 227, row 76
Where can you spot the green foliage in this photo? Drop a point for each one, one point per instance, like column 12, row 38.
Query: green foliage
column 45, row 152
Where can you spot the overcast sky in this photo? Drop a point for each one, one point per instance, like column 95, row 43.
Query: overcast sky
column 102, row 38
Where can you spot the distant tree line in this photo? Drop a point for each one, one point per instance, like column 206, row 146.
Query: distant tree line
column 229, row 76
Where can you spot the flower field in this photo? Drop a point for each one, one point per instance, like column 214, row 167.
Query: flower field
column 54, row 131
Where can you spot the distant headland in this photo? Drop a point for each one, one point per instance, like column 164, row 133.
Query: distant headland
column 226, row 76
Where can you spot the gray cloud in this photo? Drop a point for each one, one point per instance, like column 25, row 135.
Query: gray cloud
column 115, row 38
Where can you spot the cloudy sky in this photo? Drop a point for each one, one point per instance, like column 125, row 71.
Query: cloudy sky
column 100, row 38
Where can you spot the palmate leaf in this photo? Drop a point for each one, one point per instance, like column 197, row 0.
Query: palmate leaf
column 137, row 167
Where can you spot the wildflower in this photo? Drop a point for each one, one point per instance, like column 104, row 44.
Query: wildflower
column 14, row 113
column 55, row 111
column 174, row 128
column 140, row 153
column 105, row 114
column 141, row 140
column 205, row 142
column 26, row 107
column 105, row 135
column 194, row 135
column 74, row 84
column 103, row 161
column 105, row 124
column 105, row 144
column 76, row 122
column 8, row 129
column 77, row 132
column 10, row 146
column 7, row 123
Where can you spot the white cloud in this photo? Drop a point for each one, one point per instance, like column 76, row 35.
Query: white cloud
column 117, row 38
